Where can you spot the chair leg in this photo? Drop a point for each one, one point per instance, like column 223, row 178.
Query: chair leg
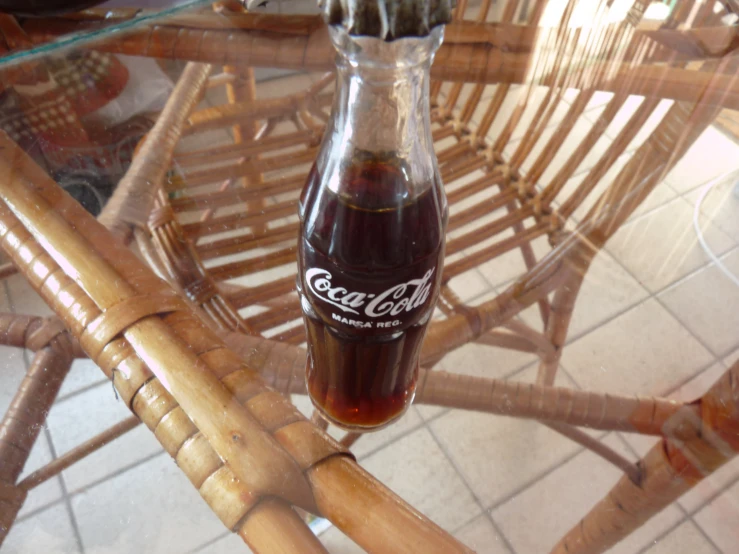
column 23, row 421
column 699, row 439
column 557, row 327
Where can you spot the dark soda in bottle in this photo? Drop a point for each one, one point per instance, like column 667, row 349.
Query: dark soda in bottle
column 373, row 217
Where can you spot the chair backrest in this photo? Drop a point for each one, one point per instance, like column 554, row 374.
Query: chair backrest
column 592, row 118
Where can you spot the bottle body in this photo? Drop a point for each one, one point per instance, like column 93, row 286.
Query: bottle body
column 373, row 217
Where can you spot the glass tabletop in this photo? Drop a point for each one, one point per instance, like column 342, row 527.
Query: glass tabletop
column 109, row 18
column 582, row 355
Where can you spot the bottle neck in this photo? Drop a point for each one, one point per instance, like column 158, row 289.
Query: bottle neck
column 381, row 108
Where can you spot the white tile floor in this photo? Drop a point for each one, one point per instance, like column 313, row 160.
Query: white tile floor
column 501, row 485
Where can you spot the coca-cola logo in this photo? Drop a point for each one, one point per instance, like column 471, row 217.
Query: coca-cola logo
column 393, row 301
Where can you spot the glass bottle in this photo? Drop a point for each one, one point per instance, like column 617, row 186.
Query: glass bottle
column 373, row 217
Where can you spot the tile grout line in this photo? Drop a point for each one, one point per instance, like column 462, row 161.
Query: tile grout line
column 650, row 294
column 707, row 214
column 655, row 296
column 576, row 336
column 82, row 390
column 538, row 477
column 685, row 519
column 92, row 484
column 39, row 510
column 499, row 530
column 390, row 441
column 694, row 272
column 703, row 532
column 477, row 500
column 465, row 523
column 718, row 356
column 488, row 511
column 712, row 497
column 209, row 542
column 565, row 371
column 682, row 198
column 66, row 497
column 661, row 535
column 407, row 432
column 434, row 417
column 636, row 216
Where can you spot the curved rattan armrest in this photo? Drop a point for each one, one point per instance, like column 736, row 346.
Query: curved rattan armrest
column 472, row 52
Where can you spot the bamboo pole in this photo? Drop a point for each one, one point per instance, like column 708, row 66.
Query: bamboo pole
column 191, row 158
column 237, row 269
column 338, row 479
column 219, row 116
column 198, row 391
column 184, row 268
column 472, row 52
column 133, row 199
column 273, row 517
column 582, row 150
column 481, row 256
column 507, row 36
column 563, row 306
column 260, row 293
column 66, row 460
column 283, row 367
column 36, row 333
column 234, row 171
column 27, row 412
column 276, row 236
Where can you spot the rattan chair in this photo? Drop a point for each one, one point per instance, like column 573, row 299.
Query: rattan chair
column 216, row 219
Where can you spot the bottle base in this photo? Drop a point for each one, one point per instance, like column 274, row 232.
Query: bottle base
column 355, row 428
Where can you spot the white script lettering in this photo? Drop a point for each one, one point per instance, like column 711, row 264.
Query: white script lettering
column 404, row 297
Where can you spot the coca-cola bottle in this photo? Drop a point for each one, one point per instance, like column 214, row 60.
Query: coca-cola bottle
column 373, row 217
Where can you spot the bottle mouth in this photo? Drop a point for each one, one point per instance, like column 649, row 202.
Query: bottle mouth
column 406, row 52
column 388, row 20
